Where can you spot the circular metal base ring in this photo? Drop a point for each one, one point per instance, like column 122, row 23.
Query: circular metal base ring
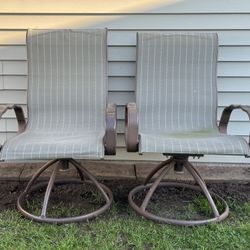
column 151, row 216
column 79, row 218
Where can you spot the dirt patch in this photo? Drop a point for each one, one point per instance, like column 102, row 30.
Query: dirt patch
column 74, row 195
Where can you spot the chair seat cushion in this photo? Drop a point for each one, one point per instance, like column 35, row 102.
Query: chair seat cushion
column 206, row 142
column 43, row 145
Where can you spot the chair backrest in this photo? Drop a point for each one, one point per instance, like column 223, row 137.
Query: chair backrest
column 176, row 81
column 67, row 79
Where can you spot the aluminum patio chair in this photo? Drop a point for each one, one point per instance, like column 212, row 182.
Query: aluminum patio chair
column 68, row 118
column 175, row 113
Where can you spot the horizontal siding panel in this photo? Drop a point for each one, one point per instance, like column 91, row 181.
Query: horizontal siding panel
column 224, row 69
column 207, row 6
column 225, row 84
column 234, row 53
column 149, row 21
column 226, row 37
column 228, row 53
column 124, row 37
column 12, row 37
column 13, row 52
column 13, row 97
column 121, row 83
column 129, row 68
column 234, row 84
column 121, row 69
column 234, row 69
column 13, row 67
column 122, row 53
column 224, row 99
column 13, row 82
column 129, row 6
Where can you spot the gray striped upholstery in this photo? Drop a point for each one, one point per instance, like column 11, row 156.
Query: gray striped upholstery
column 177, row 95
column 66, row 96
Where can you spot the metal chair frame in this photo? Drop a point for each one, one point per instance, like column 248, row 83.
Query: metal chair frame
column 109, row 142
column 178, row 162
column 84, row 175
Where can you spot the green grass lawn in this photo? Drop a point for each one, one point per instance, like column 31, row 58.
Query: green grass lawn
column 126, row 230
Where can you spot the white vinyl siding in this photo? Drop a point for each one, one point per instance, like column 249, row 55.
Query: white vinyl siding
column 230, row 19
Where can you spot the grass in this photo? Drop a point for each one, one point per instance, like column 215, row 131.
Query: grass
column 126, row 230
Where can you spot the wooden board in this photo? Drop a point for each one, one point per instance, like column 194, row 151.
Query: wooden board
column 219, row 172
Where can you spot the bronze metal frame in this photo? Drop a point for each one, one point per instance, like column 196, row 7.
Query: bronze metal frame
column 110, row 135
column 178, row 162
column 131, row 127
column 163, row 168
column 225, row 116
column 19, row 115
column 109, row 142
column 83, row 173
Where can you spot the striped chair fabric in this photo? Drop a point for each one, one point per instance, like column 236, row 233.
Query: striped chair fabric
column 177, row 95
column 67, row 89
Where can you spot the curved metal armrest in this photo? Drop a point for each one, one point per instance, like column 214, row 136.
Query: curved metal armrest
column 110, row 135
column 131, row 127
column 19, row 115
column 227, row 113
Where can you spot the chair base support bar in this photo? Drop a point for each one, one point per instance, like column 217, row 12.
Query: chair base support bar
column 31, row 187
column 165, row 167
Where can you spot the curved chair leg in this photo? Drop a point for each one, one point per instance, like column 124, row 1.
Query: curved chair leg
column 105, row 191
column 203, row 186
column 48, row 191
column 156, row 169
column 157, row 183
column 153, row 187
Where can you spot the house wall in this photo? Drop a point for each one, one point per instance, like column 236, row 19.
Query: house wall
column 229, row 18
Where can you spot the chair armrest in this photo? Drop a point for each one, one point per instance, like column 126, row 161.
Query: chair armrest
column 225, row 116
column 131, row 127
column 19, row 115
column 110, row 135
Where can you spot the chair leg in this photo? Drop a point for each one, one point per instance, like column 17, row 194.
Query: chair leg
column 203, row 186
column 48, row 191
column 156, row 169
column 157, row 183
column 87, row 173
column 105, row 191
column 153, row 187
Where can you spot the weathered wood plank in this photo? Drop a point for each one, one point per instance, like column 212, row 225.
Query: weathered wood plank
column 214, row 172
column 103, row 169
column 209, row 171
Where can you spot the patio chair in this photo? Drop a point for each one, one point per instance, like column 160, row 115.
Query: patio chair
column 175, row 113
column 67, row 114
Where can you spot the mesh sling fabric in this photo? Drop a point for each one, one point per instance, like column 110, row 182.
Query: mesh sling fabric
column 67, row 85
column 176, row 95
